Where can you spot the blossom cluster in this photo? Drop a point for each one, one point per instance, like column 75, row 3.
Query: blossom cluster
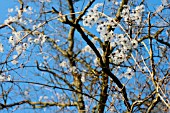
column 92, row 16
column 103, row 28
column 5, row 78
column 10, row 19
column 17, row 18
column 20, row 46
column 135, row 16
column 121, row 44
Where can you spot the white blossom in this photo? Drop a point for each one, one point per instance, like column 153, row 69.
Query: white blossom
column 2, row 77
column 22, row 21
column 40, row 98
column 134, row 43
column 17, row 36
column 57, row 41
column 30, row 8
column 26, row 93
column 92, row 16
column 10, row 19
column 25, row 46
column 9, row 77
column 102, row 27
column 30, row 40
column 120, row 37
column 129, row 73
column 73, row 69
column 140, row 8
column 113, row 44
column 125, row 12
column 45, row 97
column 144, row 69
column 10, row 10
column 63, row 64
column 1, row 48
column 17, row 8
column 86, row 49
column 118, row 56
column 159, row 9
column 11, row 40
column 34, row 27
column 45, row 57
column 36, row 41
column 44, row 37
column 14, row 61
column 18, row 49
column 83, row 78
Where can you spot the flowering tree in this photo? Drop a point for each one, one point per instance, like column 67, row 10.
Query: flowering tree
column 85, row 56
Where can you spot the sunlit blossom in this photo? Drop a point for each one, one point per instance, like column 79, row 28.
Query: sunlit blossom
column 18, row 49
column 45, row 57
column 17, row 36
column 25, row 46
column 30, row 40
column 11, row 40
column 40, row 98
column 63, row 64
column 43, row 39
column 14, row 61
column 83, row 78
column 2, row 77
column 73, row 69
column 26, row 93
column 37, row 41
column 10, row 19
column 10, row 10
column 134, row 43
column 86, row 49
column 92, row 16
column 129, row 73
column 1, row 48
column 9, row 77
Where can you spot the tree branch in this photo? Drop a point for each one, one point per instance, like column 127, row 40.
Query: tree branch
column 37, row 104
